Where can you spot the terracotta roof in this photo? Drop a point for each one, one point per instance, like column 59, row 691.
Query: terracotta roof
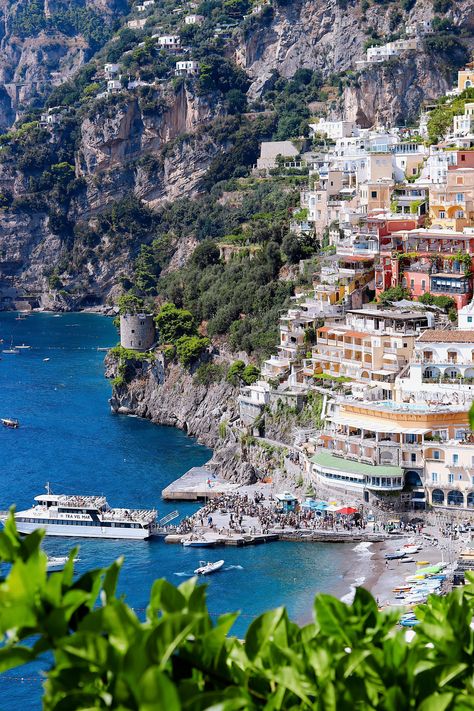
column 356, row 334
column 447, row 337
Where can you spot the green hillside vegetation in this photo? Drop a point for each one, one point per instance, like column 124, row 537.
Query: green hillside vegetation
column 240, row 298
column 100, row 655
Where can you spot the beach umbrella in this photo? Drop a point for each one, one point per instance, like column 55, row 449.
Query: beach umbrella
column 347, row 511
column 332, row 508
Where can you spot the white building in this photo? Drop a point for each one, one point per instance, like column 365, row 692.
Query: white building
column 113, row 85
column 168, row 41
column 466, row 317
column 442, row 369
column 334, row 129
column 194, row 19
column 187, row 68
column 385, row 51
column 111, row 70
column 463, row 125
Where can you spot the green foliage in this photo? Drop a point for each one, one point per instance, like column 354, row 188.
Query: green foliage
column 129, row 303
column 289, row 98
column 101, row 655
column 189, row 348
column 250, row 374
column 394, row 293
column 443, row 302
column 299, row 246
column 209, row 373
column 174, row 323
column 234, row 374
column 30, row 19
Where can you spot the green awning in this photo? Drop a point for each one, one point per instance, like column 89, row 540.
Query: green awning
column 345, row 465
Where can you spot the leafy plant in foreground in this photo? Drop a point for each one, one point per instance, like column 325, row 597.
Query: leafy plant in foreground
column 104, row 657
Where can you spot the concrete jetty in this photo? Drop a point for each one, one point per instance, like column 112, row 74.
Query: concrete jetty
column 198, row 484
column 243, row 540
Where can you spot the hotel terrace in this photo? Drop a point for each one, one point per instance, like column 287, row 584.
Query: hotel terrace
column 371, row 347
column 378, row 447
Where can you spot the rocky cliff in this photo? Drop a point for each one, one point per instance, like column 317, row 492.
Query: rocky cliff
column 43, row 43
column 169, row 395
column 331, row 37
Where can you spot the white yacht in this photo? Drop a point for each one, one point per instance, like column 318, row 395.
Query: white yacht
column 85, row 517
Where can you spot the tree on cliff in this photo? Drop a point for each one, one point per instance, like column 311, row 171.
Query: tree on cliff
column 173, row 323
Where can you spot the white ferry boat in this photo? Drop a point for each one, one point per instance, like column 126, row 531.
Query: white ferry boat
column 85, row 517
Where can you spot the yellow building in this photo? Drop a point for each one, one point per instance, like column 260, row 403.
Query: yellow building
column 466, row 77
column 452, row 202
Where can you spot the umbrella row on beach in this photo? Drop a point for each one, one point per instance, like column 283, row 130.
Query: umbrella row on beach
column 329, row 507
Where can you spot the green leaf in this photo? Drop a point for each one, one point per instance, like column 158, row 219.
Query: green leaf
column 262, row 630
column 157, row 692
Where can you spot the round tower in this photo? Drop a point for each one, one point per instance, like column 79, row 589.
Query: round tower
column 137, row 331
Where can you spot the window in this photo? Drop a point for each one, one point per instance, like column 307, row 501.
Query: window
column 455, row 458
column 405, row 345
column 442, row 214
column 412, row 283
column 463, row 157
column 436, row 454
column 434, row 477
column 459, row 181
column 459, row 197
column 450, row 478
column 423, row 284
column 469, row 319
column 413, row 171
column 373, row 194
column 413, row 457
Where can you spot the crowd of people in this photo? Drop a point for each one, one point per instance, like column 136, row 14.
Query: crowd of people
column 239, row 513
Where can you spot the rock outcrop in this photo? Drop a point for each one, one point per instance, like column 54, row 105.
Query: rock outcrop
column 169, row 395
column 34, row 57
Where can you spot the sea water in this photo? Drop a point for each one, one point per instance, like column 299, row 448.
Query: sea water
column 69, row 437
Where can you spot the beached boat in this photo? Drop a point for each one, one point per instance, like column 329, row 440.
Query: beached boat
column 395, row 556
column 10, row 422
column 208, row 568
column 85, row 517
column 198, row 543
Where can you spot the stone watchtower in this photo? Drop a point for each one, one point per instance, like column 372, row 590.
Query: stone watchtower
column 137, row 331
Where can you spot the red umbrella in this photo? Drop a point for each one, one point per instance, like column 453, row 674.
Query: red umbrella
column 347, row 511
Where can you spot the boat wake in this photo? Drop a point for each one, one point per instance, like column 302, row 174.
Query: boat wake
column 184, row 575
column 234, row 567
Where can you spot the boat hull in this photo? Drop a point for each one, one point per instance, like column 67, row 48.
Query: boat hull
column 68, row 531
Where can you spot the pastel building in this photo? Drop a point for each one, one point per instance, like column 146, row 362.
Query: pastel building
column 442, row 368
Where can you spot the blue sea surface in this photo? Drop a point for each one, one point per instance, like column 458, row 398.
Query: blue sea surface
column 69, row 437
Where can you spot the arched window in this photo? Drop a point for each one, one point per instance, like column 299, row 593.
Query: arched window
column 437, row 497
column 455, row 498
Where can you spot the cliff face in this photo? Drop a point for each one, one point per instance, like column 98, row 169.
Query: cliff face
column 330, row 37
column 117, row 139
column 35, row 55
column 170, row 396
column 392, row 93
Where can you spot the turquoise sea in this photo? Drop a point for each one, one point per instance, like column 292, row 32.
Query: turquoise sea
column 69, row 437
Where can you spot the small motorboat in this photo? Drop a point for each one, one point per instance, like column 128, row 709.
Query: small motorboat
column 208, row 568
column 423, row 562
column 45, row 360
column 11, row 350
column 58, row 562
column 407, row 560
column 10, row 422
column 198, row 543
column 23, row 347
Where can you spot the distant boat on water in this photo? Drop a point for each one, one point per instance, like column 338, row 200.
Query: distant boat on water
column 11, row 350
column 10, row 422
column 23, row 347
